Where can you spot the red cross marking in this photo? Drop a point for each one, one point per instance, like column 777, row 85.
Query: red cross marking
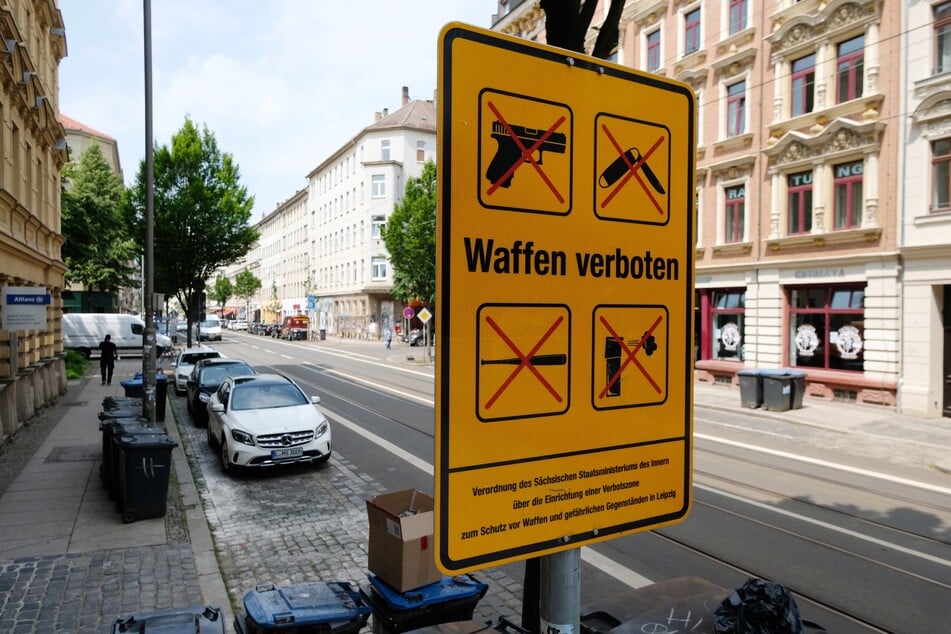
column 629, row 354
column 632, row 170
column 525, row 360
column 527, row 154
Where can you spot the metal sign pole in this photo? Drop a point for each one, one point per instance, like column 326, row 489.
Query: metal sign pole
column 560, row 594
column 148, row 349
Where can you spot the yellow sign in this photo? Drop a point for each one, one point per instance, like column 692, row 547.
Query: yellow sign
column 565, row 271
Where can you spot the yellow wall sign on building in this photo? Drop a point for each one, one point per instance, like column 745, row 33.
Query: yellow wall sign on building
column 565, row 277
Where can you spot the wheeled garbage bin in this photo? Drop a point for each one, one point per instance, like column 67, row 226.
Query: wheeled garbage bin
column 799, row 387
column 777, row 389
column 145, row 462
column 751, row 387
column 109, row 467
column 450, row 599
column 134, row 387
column 333, row 607
column 206, row 619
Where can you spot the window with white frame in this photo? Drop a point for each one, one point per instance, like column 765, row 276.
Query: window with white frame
column 385, row 150
column 377, row 186
column 420, row 151
column 942, row 37
column 378, row 224
column 378, row 269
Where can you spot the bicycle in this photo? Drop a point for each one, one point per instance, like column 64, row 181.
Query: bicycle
column 169, row 353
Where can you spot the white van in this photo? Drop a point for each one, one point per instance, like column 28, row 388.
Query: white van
column 83, row 332
column 208, row 330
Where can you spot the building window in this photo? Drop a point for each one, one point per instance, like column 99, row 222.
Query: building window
column 827, row 327
column 378, row 224
column 727, row 314
column 653, row 51
column 803, row 84
column 799, row 188
column 738, row 12
column 850, row 69
column 692, row 31
column 735, row 212
column 942, row 37
column 377, row 186
column 420, row 151
column 736, row 109
column 378, row 269
column 385, row 150
column 848, row 195
column 941, row 174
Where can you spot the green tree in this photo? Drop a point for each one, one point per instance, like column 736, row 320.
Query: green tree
column 567, row 23
column 201, row 214
column 97, row 249
column 410, row 238
column 245, row 286
column 274, row 305
column 222, row 291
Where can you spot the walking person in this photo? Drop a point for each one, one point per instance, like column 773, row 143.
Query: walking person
column 108, row 353
column 388, row 337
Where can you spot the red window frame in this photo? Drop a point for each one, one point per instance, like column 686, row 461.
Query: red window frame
column 823, row 309
column 850, row 69
column 736, row 109
column 941, row 175
column 738, row 15
column 803, row 85
column 799, row 197
column 692, row 31
column 848, row 194
column 653, row 50
column 735, row 213
column 709, row 304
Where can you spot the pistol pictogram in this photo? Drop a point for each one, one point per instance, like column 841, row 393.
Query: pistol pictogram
column 509, row 153
column 629, row 162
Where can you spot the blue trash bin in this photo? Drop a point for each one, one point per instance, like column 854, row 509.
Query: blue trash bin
column 445, row 601
column 134, row 388
column 332, row 607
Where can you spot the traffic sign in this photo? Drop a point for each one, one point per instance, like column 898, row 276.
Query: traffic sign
column 565, row 271
column 408, row 312
column 424, row 315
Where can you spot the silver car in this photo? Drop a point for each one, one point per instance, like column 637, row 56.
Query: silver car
column 186, row 360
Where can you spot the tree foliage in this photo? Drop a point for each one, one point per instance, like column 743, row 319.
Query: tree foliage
column 222, row 291
column 245, row 286
column 410, row 238
column 567, row 23
column 201, row 213
column 98, row 250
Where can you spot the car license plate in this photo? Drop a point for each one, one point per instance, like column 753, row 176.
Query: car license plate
column 291, row 452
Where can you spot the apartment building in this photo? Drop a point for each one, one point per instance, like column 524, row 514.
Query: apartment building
column 798, row 129
column 924, row 163
column 33, row 152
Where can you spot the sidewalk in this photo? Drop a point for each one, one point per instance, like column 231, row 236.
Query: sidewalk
column 68, row 562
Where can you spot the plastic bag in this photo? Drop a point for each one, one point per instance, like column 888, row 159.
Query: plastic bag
column 758, row 607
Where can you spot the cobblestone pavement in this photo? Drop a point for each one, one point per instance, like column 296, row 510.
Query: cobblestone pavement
column 299, row 524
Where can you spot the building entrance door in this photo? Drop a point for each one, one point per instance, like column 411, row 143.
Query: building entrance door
column 946, row 369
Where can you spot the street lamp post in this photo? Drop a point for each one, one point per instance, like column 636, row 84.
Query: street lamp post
column 148, row 340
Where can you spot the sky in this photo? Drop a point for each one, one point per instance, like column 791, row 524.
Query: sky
column 282, row 84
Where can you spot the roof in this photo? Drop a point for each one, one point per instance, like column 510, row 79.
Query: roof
column 73, row 125
column 416, row 114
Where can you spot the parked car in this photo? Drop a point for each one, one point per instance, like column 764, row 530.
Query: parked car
column 186, row 360
column 295, row 327
column 238, row 324
column 82, row 332
column 417, row 337
column 265, row 420
column 271, row 330
column 205, row 379
column 209, row 329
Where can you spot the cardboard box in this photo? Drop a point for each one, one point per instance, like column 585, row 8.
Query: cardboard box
column 401, row 539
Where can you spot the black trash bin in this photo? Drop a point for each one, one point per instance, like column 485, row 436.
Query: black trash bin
column 323, row 334
column 777, row 390
column 332, row 607
column 751, row 387
column 450, row 599
column 134, row 387
column 109, row 467
column 799, row 387
column 206, row 619
column 145, row 462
